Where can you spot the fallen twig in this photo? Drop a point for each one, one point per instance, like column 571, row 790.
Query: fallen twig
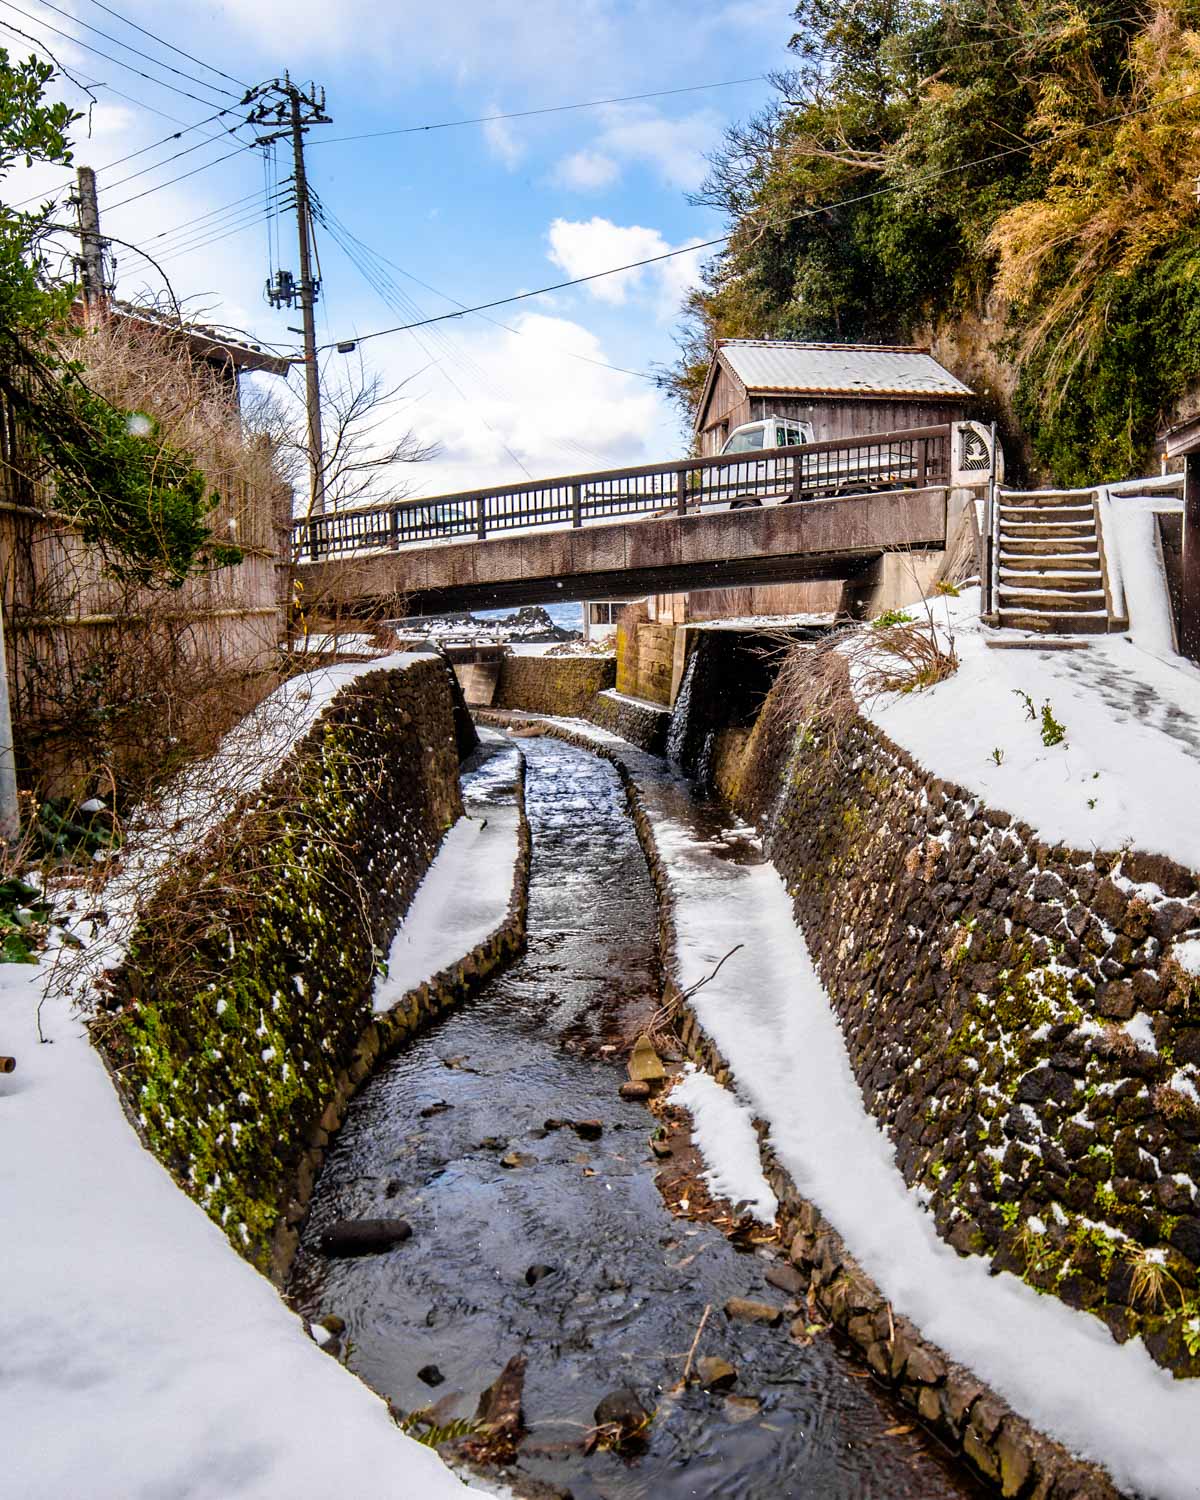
column 700, row 983
column 687, row 1369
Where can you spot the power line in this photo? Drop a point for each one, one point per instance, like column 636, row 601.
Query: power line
column 110, row 187
column 550, row 109
column 108, row 57
column 602, row 364
column 136, row 51
column 251, row 222
column 396, row 298
column 121, row 160
column 170, row 45
column 809, row 213
column 203, row 223
column 183, row 176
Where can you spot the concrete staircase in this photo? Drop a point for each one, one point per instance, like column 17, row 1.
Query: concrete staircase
column 1049, row 566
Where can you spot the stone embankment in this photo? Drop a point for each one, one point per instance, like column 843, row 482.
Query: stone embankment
column 558, row 685
column 240, row 1023
column 1019, row 1017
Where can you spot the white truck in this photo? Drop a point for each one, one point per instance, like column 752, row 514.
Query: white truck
column 859, row 465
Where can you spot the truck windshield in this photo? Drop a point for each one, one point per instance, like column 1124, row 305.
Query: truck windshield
column 744, row 441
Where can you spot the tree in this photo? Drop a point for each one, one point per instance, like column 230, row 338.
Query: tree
column 926, row 159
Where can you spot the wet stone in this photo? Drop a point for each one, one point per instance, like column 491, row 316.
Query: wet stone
column 623, row 1410
column 715, row 1374
column 364, row 1236
column 746, row 1310
column 538, row 1272
column 634, row 1090
column 430, row 1375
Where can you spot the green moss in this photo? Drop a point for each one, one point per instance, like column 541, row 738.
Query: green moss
column 248, row 982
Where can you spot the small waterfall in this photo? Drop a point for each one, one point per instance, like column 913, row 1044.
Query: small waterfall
column 677, row 733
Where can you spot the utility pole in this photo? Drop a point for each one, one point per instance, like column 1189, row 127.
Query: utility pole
column 90, row 262
column 284, row 104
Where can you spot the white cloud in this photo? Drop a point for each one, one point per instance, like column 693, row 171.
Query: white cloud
column 502, row 142
column 587, row 171
column 675, row 148
column 538, row 390
column 584, row 247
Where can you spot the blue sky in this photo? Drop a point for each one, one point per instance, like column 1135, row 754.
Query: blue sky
column 476, row 212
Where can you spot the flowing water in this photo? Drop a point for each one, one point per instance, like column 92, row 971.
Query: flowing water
column 428, row 1138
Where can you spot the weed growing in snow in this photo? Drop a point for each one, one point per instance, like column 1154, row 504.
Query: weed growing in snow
column 1053, row 732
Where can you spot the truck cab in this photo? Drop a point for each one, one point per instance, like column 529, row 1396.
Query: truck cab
column 770, row 432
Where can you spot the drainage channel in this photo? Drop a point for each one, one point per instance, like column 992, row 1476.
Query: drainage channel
column 533, row 1238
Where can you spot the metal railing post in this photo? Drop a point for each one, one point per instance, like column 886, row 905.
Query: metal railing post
column 395, row 529
column 576, row 505
column 480, row 518
column 681, row 492
column 986, row 584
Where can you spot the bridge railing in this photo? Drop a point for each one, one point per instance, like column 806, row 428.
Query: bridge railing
column 912, row 458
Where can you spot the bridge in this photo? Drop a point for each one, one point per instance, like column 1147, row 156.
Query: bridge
column 819, row 511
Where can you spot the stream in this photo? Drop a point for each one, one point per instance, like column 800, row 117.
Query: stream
column 452, row 1134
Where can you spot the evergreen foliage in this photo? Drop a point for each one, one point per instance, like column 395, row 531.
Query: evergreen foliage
column 924, row 160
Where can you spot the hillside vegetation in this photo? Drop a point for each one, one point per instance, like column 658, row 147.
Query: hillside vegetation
column 1027, row 168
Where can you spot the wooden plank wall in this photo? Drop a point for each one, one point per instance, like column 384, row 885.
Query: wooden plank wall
column 61, row 606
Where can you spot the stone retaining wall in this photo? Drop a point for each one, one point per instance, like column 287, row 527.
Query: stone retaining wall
column 1000, row 1446
column 240, row 1023
column 1017, row 1021
column 558, row 685
column 642, row 724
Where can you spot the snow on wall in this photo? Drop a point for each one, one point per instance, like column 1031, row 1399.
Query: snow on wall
column 237, row 1014
column 1017, row 1022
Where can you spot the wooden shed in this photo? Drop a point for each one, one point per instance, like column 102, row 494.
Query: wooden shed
column 841, row 389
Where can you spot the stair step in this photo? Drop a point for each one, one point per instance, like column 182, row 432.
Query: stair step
column 1045, row 546
column 1043, row 531
column 1053, row 624
column 1062, row 583
column 1048, row 600
column 1046, row 515
column 1048, row 563
column 1056, row 500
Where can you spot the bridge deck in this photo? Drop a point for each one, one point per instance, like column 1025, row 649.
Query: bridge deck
column 835, row 538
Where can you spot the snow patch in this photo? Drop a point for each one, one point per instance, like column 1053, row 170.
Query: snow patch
column 724, row 1132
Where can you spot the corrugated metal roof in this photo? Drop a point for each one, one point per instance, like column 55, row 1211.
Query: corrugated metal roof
column 840, row 369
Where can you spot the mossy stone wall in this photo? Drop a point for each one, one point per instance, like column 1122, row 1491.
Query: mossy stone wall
column 559, row 685
column 1016, row 1020
column 642, row 724
column 239, row 1008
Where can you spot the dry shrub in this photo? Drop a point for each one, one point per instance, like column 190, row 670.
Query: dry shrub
column 824, row 685
column 114, row 709
column 140, row 363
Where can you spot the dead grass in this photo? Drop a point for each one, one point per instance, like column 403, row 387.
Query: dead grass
column 139, row 366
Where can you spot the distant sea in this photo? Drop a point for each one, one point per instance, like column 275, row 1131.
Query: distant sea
column 568, row 616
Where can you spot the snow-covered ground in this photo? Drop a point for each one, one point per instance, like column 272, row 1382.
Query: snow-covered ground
column 769, row 1016
column 1130, row 749
column 142, row 1357
column 465, row 893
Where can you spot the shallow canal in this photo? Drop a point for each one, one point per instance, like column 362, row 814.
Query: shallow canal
column 452, row 1135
